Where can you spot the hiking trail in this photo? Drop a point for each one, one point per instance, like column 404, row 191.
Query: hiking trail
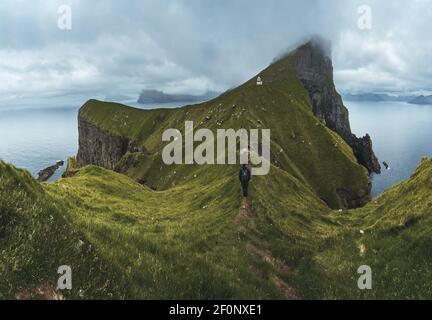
column 247, row 229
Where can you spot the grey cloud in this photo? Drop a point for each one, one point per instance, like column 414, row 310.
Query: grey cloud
column 195, row 45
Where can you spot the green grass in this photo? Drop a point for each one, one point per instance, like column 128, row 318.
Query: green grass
column 35, row 239
column 187, row 242
column 301, row 145
column 397, row 238
column 182, row 235
column 179, row 243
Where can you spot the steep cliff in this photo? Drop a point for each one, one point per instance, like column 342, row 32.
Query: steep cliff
column 101, row 147
column 314, row 67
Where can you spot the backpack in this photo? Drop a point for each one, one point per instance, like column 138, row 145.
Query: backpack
column 244, row 174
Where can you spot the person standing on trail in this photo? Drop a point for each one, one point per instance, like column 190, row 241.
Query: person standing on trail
column 244, row 176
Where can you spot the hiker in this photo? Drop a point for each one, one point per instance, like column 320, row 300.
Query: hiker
column 244, row 176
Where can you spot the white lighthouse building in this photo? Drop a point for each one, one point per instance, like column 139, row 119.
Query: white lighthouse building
column 259, row 81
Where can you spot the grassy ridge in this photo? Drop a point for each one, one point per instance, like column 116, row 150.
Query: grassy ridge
column 301, row 145
column 194, row 230
column 188, row 241
column 179, row 243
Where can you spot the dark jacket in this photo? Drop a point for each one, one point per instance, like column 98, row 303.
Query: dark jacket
column 244, row 176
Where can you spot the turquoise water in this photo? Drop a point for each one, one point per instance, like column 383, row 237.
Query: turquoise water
column 35, row 138
column 401, row 134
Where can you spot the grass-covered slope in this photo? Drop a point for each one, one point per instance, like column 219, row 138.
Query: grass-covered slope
column 198, row 240
column 301, row 144
column 324, row 249
column 190, row 241
column 392, row 235
column 36, row 239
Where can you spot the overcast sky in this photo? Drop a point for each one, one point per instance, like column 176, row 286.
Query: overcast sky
column 120, row 47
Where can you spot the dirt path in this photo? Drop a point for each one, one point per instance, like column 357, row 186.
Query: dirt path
column 247, row 225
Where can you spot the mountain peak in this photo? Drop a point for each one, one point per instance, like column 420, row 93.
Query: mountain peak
column 319, row 44
column 312, row 64
column 316, row 45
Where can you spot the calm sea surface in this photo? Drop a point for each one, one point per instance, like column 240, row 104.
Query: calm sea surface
column 401, row 134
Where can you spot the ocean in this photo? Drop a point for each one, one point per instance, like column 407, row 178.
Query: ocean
column 401, row 135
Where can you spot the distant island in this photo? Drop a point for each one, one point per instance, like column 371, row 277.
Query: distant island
column 377, row 97
column 383, row 97
column 422, row 100
column 156, row 96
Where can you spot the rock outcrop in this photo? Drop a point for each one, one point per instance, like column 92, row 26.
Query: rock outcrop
column 101, row 148
column 315, row 69
column 362, row 148
column 48, row 172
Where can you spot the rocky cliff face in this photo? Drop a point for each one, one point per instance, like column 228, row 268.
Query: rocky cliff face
column 98, row 147
column 364, row 153
column 101, row 148
column 315, row 70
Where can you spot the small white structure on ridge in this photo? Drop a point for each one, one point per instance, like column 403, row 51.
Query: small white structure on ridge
column 259, row 81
